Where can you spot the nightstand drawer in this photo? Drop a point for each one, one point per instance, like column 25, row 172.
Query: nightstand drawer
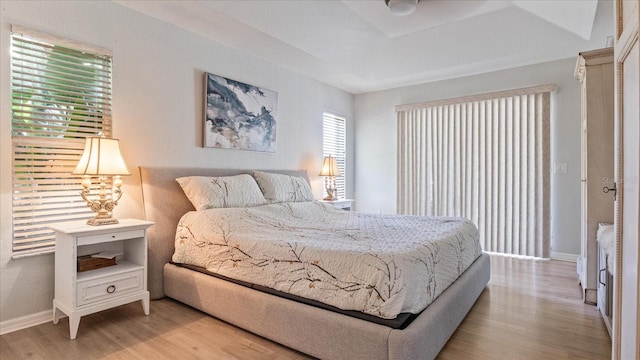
column 115, row 236
column 109, row 286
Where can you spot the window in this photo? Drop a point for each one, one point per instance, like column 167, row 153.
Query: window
column 334, row 144
column 483, row 157
column 59, row 96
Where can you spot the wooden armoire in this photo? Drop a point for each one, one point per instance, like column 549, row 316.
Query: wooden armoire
column 595, row 71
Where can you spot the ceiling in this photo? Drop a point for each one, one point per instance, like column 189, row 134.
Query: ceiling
column 359, row 46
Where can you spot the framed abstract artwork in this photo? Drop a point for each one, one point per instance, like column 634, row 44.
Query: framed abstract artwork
column 238, row 115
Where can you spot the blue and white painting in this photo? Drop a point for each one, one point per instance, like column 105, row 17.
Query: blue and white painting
column 239, row 116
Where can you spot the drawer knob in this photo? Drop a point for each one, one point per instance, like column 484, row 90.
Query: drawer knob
column 111, row 289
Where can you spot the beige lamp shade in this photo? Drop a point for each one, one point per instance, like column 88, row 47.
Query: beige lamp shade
column 101, row 157
column 329, row 167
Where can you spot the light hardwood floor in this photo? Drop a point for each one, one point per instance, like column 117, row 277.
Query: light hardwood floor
column 530, row 310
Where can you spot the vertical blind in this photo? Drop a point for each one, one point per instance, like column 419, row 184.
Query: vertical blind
column 334, row 144
column 485, row 158
column 59, row 96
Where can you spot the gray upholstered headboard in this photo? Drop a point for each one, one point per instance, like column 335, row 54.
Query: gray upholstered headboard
column 165, row 203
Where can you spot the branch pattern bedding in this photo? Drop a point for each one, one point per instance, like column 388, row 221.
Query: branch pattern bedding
column 381, row 265
column 319, row 332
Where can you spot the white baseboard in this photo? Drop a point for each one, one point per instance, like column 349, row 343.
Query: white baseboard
column 554, row 256
column 564, row 257
column 26, row 321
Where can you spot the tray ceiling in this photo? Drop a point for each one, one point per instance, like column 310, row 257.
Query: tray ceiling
column 359, row 46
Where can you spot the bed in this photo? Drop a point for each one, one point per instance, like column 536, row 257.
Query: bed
column 310, row 329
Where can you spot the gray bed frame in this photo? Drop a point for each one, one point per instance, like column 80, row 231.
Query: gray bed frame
column 311, row 330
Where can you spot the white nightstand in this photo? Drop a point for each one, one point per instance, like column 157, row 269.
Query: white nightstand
column 82, row 293
column 344, row 204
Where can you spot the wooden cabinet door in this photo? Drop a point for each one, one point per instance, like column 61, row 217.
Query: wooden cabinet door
column 626, row 334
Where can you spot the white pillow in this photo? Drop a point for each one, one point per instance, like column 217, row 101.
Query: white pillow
column 283, row 188
column 221, row 192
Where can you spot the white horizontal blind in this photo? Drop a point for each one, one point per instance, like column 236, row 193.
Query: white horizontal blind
column 334, row 144
column 486, row 160
column 59, row 96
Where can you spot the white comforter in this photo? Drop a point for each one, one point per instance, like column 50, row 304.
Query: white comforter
column 377, row 264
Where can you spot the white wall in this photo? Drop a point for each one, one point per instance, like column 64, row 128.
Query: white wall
column 375, row 160
column 157, row 114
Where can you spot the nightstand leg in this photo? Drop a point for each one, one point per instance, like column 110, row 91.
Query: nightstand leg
column 145, row 304
column 56, row 313
column 74, row 322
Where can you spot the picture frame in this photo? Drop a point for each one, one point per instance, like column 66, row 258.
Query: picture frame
column 238, row 115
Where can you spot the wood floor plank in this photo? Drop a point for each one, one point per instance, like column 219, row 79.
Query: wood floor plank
column 530, row 310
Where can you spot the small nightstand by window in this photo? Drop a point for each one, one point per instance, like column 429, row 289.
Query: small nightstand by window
column 344, row 204
column 80, row 291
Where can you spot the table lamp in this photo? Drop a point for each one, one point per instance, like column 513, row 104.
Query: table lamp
column 102, row 159
column 330, row 171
